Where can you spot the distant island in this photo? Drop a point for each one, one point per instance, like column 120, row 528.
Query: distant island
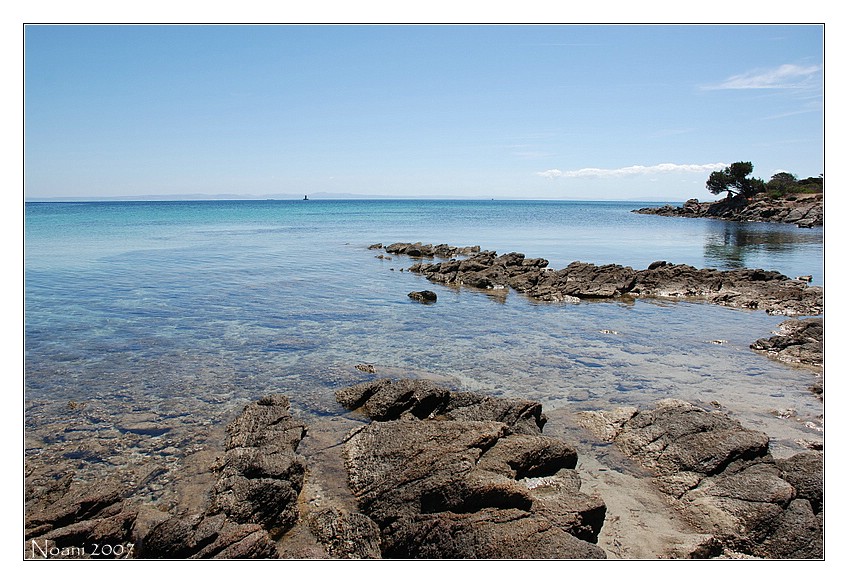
column 783, row 199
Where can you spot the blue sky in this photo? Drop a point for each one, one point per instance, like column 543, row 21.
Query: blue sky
column 559, row 112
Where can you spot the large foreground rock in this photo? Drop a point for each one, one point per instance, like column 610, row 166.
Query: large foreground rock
column 459, row 475
column 259, row 479
column 724, row 479
column 260, row 473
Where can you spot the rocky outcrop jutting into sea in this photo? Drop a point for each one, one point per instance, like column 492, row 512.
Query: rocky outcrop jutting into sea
column 723, row 478
column 804, row 210
column 461, row 475
column 741, row 288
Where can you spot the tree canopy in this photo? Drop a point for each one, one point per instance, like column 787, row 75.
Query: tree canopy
column 785, row 183
column 735, row 181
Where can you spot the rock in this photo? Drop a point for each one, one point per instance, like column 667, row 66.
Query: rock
column 346, row 535
column 172, row 538
column 411, row 249
column 259, row 479
column 206, row 537
column 424, row 296
column 92, row 537
column 466, row 476
column 805, row 472
column 490, row 533
column 805, row 210
column 798, row 342
column 260, row 473
column 519, row 456
column 724, row 479
column 238, row 541
column 387, row 399
column 77, row 503
column 582, row 280
column 77, row 520
column 558, row 499
column 376, row 246
column 678, row 437
column 796, row 534
column 741, row 288
column 677, row 281
column 521, row 416
column 435, row 493
column 606, row 424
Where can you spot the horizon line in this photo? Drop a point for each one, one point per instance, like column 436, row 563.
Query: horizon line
column 321, row 196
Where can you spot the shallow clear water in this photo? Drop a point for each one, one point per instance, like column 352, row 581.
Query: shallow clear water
column 197, row 307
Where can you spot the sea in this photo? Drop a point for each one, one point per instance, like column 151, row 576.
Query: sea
column 147, row 324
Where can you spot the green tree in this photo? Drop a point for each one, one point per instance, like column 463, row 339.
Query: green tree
column 734, row 180
column 782, row 182
column 811, row 184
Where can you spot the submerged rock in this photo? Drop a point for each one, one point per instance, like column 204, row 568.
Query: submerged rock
column 458, row 475
column 424, row 296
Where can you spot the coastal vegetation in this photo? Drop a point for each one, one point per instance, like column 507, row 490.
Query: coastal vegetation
column 782, row 199
column 736, row 182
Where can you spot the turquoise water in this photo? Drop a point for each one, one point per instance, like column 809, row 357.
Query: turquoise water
column 200, row 306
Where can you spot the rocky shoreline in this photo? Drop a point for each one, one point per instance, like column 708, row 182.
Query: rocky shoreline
column 419, row 469
column 430, row 472
column 803, row 210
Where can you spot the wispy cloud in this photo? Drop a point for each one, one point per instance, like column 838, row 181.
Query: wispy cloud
column 783, row 77
column 812, row 108
column 664, row 168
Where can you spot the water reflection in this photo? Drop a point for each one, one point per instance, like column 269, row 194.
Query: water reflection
column 731, row 244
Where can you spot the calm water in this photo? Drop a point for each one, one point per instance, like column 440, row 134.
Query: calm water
column 197, row 307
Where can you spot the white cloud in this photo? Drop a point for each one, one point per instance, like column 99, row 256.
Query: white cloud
column 664, row 168
column 553, row 173
column 782, row 77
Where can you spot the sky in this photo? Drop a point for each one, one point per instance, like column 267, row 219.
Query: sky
column 596, row 112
